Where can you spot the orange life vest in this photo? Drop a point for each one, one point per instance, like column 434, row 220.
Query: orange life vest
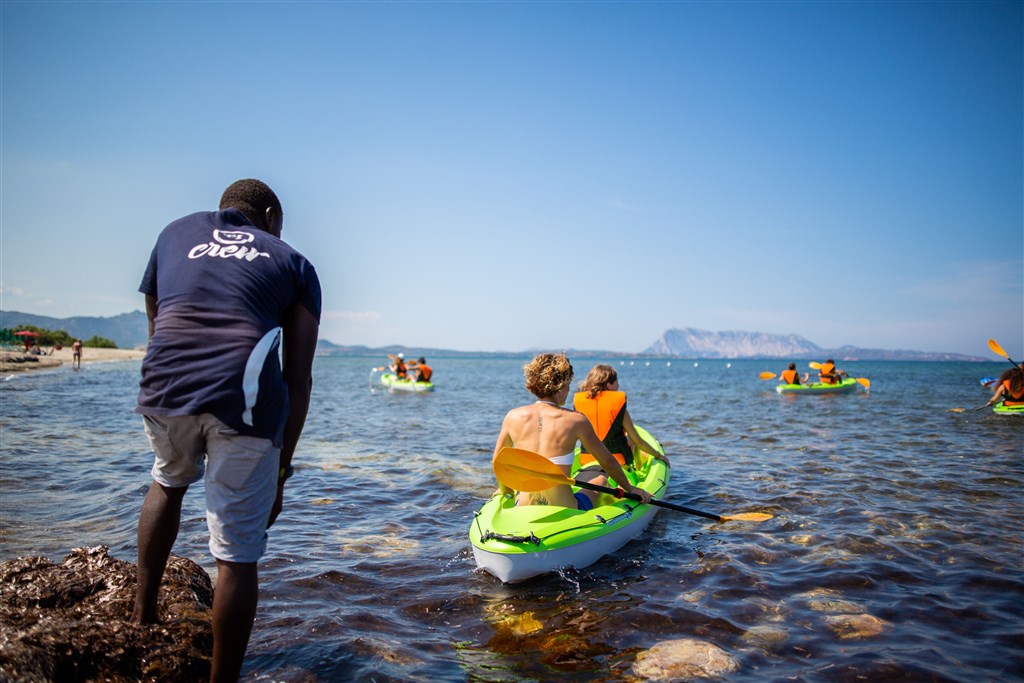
column 400, row 369
column 1010, row 399
column 425, row 372
column 789, row 376
column 827, row 376
column 606, row 411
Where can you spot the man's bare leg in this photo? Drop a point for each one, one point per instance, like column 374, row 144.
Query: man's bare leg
column 158, row 529
column 234, row 609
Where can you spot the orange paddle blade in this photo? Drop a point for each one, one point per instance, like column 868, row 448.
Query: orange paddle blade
column 524, row 470
column 767, row 375
column 747, row 517
column 814, row 366
column 864, row 382
column 997, row 349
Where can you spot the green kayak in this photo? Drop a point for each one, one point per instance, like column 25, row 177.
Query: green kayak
column 1001, row 409
column 845, row 386
column 517, row 543
column 394, row 384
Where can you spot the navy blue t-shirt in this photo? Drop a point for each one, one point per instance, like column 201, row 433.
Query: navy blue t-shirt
column 222, row 287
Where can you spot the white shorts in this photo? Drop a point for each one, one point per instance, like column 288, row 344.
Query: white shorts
column 241, row 478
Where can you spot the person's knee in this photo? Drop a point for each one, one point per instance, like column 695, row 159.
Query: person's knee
column 170, row 493
column 235, row 571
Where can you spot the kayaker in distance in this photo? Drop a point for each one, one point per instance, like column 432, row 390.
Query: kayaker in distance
column 600, row 400
column 545, row 427
column 398, row 366
column 830, row 374
column 1009, row 388
column 423, row 372
column 791, row 376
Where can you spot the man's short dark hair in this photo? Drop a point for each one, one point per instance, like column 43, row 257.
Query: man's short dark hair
column 252, row 197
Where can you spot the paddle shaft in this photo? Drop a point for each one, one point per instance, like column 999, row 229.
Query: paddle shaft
column 619, row 493
column 969, row 410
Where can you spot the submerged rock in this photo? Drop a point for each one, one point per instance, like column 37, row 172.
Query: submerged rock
column 855, row 626
column 765, row 636
column 685, row 659
column 70, row 622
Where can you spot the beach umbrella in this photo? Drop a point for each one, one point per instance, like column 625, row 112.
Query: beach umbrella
column 26, row 334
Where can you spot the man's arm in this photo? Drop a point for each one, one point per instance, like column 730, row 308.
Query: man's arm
column 299, row 346
column 151, row 309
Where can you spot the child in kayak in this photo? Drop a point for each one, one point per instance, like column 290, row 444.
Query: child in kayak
column 600, row 400
column 398, row 366
column 791, row 376
column 830, row 374
column 1009, row 388
column 546, row 428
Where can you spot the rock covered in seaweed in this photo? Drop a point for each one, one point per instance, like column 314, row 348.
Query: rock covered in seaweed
column 70, row 622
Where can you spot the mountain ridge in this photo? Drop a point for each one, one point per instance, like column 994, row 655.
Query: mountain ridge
column 130, row 330
column 691, row 342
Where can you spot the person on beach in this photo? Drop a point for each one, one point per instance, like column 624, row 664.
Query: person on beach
column 76, row 354
column 547, row 428
column 599, row 399
column 223, row 293
column 1009, row 388
column 791, row 376
column 830, row 374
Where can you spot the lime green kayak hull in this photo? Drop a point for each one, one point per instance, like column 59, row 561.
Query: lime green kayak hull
column 1000, row 409
column 847, row 385
column 394, row 384
column 517, row 543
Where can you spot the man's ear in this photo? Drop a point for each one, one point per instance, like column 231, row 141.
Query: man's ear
column 272, row 221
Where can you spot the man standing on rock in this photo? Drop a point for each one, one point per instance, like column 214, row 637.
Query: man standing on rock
column 223, row 294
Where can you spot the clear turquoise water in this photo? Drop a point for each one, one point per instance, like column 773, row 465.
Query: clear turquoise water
column 885, row 502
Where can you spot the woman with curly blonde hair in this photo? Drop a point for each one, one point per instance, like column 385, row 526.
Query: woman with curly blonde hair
column 545, row 427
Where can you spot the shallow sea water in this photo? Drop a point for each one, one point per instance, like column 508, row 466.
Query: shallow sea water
column 887, row 507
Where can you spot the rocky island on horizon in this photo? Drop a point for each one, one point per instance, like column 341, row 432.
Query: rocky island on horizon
column 129, row 330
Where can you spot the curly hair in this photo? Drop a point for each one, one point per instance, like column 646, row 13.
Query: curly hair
column 547, row 374
column 598, row 379
column 252, row 197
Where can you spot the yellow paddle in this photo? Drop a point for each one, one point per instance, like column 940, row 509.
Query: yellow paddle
column 998, row 350
column 524, row 470
column 967, row 410
column 863, row 381
column 767, row 375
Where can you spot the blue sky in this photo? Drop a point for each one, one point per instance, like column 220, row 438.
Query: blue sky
column 521, row 175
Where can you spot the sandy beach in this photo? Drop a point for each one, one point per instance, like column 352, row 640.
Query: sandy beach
column 17, row 361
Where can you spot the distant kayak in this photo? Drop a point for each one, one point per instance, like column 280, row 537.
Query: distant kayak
column 987, row 381
column 1000, row 409
column 393, row 383
column 847, row 385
